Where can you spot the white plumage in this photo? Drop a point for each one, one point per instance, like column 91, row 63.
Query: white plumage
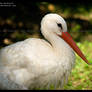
column 35, row 63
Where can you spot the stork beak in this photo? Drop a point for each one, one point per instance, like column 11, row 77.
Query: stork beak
column 67, row 37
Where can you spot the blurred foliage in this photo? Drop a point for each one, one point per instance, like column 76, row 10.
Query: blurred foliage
column 25, row 19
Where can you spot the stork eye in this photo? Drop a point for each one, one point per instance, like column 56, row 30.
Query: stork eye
column 59, row 25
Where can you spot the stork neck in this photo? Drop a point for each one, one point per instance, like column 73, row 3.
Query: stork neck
column 58, row 44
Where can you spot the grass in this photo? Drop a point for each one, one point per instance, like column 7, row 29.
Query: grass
column 81, row 75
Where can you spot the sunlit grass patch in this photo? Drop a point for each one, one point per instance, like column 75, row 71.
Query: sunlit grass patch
column 81, row 76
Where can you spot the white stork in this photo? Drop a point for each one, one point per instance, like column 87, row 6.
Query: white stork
column 37, row 63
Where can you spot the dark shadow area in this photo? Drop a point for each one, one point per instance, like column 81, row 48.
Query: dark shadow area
column 23, row 21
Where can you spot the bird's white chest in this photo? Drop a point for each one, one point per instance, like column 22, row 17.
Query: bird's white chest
column 33, row 64
column 51, row 68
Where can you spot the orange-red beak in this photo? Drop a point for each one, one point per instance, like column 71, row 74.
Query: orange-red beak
column 66, row 36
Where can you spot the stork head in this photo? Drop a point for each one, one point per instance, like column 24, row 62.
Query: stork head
column 55, row 24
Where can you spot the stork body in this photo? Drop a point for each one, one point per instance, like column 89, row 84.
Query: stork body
column 35, row 63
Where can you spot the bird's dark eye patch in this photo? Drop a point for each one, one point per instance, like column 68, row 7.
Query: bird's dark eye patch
column 59, row 25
